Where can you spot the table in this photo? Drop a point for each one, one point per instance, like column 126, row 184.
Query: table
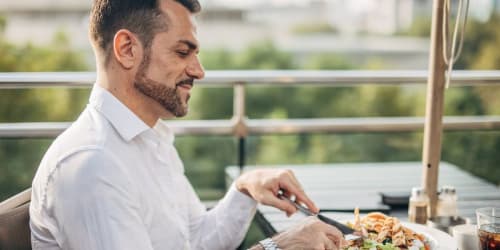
column 338, row 188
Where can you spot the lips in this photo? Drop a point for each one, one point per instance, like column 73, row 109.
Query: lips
column 186, row 84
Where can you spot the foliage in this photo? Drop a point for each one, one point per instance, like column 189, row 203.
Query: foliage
column 312, row 28
column 421, row 27
column 472, row 151
column 327, row 61
column 3, row 22
column 480, row 45
column 481, row 53
column 19, row 158
column 206, row 156
column 264, row 55
column 301, row 102
column 477, row 153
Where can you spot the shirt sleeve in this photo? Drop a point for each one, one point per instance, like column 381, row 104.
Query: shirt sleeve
column 225, row 225
column 95, row 205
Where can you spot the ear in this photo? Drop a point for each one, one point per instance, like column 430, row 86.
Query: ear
column 127, row 49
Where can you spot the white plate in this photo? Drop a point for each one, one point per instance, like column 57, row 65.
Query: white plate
column 439, row 240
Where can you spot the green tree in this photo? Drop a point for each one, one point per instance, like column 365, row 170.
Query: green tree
column 20, row 157
column 3, row 22
column 477, row 153
column 480, row 51
column 472, row 151
column 421, row 27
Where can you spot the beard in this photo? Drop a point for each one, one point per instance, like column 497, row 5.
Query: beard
column 168, row 97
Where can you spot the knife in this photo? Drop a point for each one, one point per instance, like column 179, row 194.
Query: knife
column 340, row 226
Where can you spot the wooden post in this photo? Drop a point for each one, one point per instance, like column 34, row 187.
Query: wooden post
column 431, row 154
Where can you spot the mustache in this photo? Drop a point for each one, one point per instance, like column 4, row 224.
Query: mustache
column 188, row 81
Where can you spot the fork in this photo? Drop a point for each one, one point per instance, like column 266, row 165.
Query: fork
column 347, row 231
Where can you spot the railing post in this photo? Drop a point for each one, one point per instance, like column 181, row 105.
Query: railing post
column 240, row 128
column 241, row 153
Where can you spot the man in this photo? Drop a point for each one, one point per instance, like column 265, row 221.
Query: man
column 114, row 180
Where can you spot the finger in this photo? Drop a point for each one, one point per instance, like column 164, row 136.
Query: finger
column 304, row 199
column 300, row 196
column 287, row 194
column 343, row 243
column 332, row 232
column 295, row 180
column 270, row 199
column 328, row 243
column 339, row 242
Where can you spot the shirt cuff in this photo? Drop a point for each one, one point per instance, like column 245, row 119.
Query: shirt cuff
column 242, row 200
column 234, row 214
column 238, row 205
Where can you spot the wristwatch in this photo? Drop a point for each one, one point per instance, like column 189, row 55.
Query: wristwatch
column 269, row 244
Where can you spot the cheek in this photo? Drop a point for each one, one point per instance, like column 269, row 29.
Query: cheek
column 160, row 72
column 169, row 69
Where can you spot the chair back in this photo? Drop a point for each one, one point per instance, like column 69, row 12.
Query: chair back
column 15, row 231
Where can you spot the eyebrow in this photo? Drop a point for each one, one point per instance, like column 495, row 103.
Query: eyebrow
column 190, row 44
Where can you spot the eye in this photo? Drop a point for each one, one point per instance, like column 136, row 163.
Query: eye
column 183, row 53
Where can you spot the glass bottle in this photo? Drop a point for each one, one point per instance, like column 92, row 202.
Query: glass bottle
column 447, row 202
column 418, row 207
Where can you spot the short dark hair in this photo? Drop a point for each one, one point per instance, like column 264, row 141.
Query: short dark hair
column 142, row 17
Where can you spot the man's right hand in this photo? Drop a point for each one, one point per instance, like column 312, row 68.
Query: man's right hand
column 311, row 233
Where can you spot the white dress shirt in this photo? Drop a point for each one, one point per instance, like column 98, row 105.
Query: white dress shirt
column 111, row 182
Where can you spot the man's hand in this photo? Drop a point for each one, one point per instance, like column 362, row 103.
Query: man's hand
column 311, row 234
column 263, row 185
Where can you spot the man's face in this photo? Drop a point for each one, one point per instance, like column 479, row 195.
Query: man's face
column 171, row 64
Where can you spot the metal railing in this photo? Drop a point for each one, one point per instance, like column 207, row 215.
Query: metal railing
column 240, row 126
column 252, row 77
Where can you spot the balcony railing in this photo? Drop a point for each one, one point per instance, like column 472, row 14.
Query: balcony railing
column 241, row 126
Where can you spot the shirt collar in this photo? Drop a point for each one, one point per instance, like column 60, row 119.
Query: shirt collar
column 120, row 116
column 165, row 133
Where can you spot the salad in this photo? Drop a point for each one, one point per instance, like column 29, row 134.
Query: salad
column 382, row 232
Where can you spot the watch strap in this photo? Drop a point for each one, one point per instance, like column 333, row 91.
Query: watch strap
column 269, row 244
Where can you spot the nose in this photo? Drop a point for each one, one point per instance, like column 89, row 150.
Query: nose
column 195, row 69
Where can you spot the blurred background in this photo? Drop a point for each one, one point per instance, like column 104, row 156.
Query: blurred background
column 51, row 35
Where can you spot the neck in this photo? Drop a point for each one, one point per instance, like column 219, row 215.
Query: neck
column 122, row 87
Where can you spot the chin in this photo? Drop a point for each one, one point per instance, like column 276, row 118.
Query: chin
column 169, row 114
column 166, row 116
column 184, row 113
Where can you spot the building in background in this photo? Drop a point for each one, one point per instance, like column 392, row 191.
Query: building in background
column 371, row 16
column 37, row 21
column 358, row 30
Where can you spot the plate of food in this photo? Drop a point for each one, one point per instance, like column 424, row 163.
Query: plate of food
column 382, row 232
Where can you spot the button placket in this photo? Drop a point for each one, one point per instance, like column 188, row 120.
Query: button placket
column 165, row 178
